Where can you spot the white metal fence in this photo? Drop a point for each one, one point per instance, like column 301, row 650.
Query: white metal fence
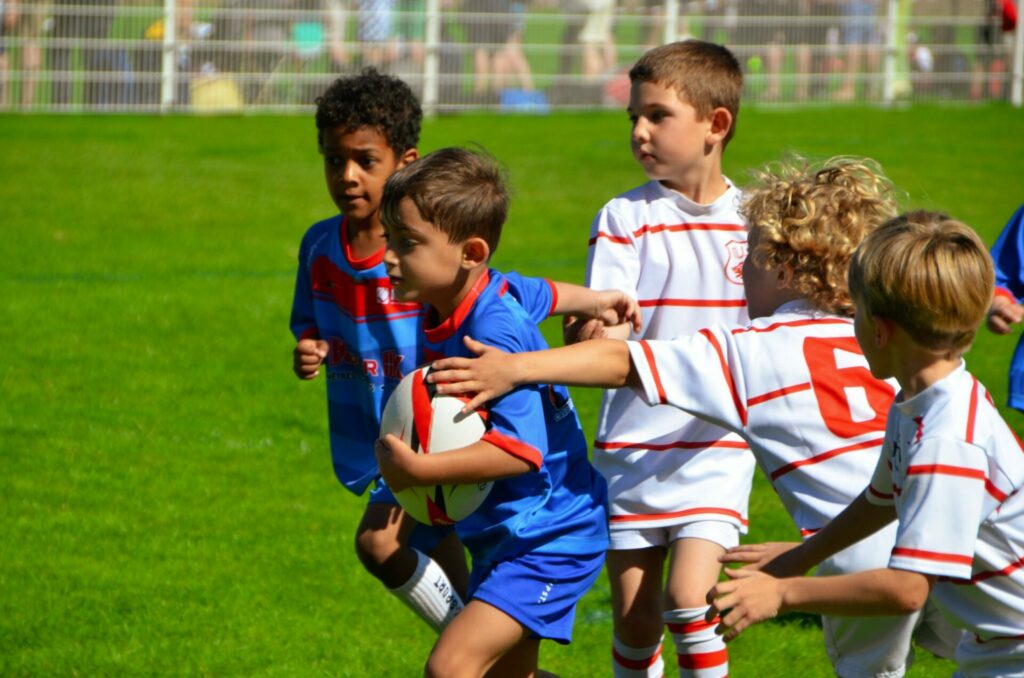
column 202, row 55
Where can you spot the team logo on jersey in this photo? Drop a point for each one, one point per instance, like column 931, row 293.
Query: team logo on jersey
column 383, row 295
column 737, row 251
column 560, row 401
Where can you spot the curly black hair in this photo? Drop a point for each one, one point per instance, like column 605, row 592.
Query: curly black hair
column 371, row 99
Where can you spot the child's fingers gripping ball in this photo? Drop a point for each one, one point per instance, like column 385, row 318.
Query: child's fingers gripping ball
column 433, row 423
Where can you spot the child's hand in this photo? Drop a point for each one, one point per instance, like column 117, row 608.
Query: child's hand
column 307, row 357
column 486, row 377
column 749, row 597
column 1003, row 314
column 575, row 330
column 764, row 557
column 397, row 462
column 615, row 307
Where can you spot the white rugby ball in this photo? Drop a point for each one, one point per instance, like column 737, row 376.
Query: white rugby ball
column 432, row 423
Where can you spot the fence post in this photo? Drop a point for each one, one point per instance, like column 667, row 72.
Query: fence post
column 1018, row 58
column 432, row 57
column 169, row 63
column 671, row 21
column 889, row 85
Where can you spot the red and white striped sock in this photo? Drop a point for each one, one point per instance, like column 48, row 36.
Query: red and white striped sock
column 636, row 662
column 701, row 652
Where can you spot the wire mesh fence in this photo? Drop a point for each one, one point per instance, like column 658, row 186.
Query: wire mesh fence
column 210, row 55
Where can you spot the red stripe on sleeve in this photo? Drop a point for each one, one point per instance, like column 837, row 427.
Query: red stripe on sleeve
column 1003, row 292
column 880, row 495
column 649, row 354
column 973, row 413
column 517, row 448
column 554, row 296
column 740, row 409
column 996, row 493
column 945, row 470
column 933, row 555
column 310, row 333
column 617, row 239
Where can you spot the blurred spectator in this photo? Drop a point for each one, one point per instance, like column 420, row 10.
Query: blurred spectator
column 1000, row 21
column 376, row 37
column 860, row 36
column 598, row 40
column 337, row 32
column 494, row 28
column 411, row 29
column 75, row 28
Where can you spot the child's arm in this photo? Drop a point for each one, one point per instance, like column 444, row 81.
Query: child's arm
column 610, row 307
column 401, row 467
column 602, row 363
column 751, row 596
column 858, row 520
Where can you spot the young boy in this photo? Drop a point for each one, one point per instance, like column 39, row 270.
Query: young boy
column 538, row 541
column 1006, row 311
column 793, row 382
column 950, row 473
column 345, row 313
column 678, row 486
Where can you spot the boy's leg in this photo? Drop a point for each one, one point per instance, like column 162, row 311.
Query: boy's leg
column 693, row 569
column 382, row 544
column 635, row 577
column 481, row 639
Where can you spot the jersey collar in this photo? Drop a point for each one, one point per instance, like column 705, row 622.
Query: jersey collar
column 358, row 264
column 450, row 325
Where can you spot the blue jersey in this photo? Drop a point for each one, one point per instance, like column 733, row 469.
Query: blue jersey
column 560, row 506
column 374, row 340
column 1008, row 255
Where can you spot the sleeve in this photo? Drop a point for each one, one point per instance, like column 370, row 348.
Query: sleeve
column 937, row 471
column 303, row 319
column 613, row 262
column 537, row 296
column 879, row 491
column 516, row 420
column 700, row 374
column 1007, row 254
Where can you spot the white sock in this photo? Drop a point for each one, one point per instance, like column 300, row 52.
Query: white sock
column 701, row 652
column 636, row 662
column 429, row 594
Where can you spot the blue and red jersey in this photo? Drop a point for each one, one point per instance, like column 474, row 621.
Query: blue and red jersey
column 374, row 340
column 560, row 506
column 1008, row 255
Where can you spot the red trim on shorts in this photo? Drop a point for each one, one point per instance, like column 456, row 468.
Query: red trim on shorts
column 636, row 517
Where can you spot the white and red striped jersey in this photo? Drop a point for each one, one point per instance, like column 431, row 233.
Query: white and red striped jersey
column 796, row 386
column 954, row 471
column 682, row 262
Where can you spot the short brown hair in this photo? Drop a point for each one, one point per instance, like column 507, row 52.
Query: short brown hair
column 707, row 76
column 461, row 192
column 812, row 217
column 929, row 274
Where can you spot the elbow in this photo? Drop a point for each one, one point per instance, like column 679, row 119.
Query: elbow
column 912, row 596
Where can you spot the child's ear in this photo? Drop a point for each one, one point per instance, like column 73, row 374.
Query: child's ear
column 475, row 252
column 721, row 123
column 884, row 329
column 785, row 277
column 407, row 157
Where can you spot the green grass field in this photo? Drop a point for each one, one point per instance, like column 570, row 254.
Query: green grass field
column 168, row 504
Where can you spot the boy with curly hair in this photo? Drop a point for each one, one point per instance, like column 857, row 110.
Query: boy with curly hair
column 951, row 471
column 792, row 383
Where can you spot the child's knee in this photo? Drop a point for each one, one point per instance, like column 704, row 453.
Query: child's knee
column 375, row 547
column 445, row 662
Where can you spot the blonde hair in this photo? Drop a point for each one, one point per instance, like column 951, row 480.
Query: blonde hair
column 706, row 76
column 812, row 218
column 929, row 274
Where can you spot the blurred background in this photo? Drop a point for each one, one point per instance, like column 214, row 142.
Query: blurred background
column 501, row 55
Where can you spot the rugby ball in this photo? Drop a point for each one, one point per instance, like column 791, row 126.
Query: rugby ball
column 432, row 423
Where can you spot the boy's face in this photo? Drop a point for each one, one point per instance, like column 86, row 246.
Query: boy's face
column 668, row 139
column 356, row 165
column 422, row 265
